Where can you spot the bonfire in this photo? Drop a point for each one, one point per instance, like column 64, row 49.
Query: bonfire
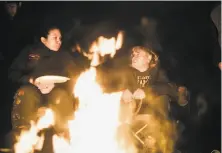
column 96, row 126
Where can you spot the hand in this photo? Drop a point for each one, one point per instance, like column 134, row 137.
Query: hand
column 183, row 96
column 44, row 88
column 127, row 96
column 139, row 94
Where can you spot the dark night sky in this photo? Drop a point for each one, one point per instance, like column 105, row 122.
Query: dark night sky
column 92, row 11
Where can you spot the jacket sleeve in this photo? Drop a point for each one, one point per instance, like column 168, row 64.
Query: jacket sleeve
column 17, row 70
column 163, row 86
column 22, row 66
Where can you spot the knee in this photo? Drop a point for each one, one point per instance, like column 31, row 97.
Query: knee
column 27, row 89
column 28, row 93
column 59, row 97
column 58, row 93
column 61, row 103
column 26, row 101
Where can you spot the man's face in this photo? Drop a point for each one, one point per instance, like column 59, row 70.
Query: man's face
column 140, row 59
column 11, row 9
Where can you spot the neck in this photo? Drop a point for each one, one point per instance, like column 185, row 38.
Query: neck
column 143, row 69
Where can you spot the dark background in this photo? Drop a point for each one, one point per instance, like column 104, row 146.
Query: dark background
column 185, row 32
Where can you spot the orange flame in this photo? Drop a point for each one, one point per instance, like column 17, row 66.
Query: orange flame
column 104, row 46
column 96, row 122
column 29, row 140
column 94, row 128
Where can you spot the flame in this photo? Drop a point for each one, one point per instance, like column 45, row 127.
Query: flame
column 97, row 126
column 96, row 122
column 104, row 46
column 29, row 140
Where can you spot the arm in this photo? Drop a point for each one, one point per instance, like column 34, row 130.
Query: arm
column 162, row 77
column 162, row 86
column 22, row 66
column 18, row 68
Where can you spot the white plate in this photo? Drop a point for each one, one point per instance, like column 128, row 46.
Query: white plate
column 52, row 79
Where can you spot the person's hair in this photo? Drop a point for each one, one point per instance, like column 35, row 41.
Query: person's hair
column 154, row 56
column 44, row 31
column 19, row 4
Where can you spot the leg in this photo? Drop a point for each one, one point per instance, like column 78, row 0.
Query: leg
column 26, row 102
column 62, row 104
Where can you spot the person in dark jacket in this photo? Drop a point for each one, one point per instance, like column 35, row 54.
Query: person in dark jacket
column 147, row 80
column 43, row 59
column 12, row 7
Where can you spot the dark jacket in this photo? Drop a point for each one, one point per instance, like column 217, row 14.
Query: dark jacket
column 38, row 60
column 153, row 80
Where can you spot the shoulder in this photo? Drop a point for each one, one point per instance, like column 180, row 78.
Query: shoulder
column 32, row 48
column 65, row 54
column 159, row 71
column 25, row 51
column 35, row 51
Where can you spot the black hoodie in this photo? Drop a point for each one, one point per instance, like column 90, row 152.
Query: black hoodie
column 154, row 80
column 38, row 60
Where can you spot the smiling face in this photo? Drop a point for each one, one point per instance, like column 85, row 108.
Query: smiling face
column 53, row 40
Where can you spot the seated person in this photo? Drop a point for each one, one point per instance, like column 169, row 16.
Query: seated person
column 42, row 59
column 147, row 80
